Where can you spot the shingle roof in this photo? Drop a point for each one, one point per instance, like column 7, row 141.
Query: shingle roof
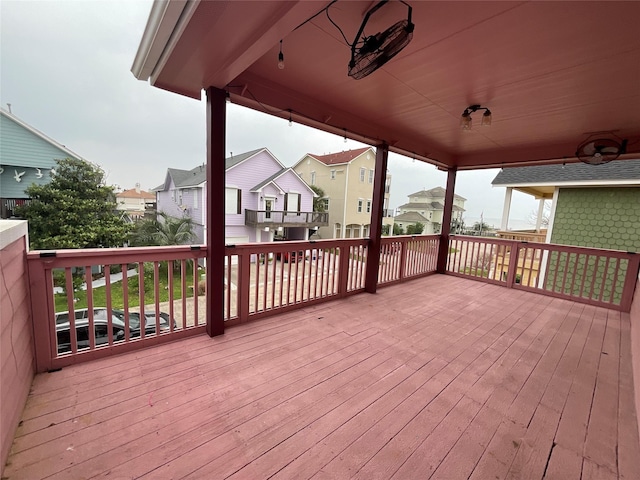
column 428, row 206
column 569, row 173
column 410, row 217
column 270, row 179
column 131, row 193
column 340, row 157
column 435, row 192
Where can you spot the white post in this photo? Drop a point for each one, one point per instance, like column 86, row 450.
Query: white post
column 542, row 271
column 505, row 210
column 540, row 215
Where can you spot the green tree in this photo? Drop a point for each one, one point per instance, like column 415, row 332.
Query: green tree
column 75, row 210
column 457, row 226
column 164, row 230
column 318, row 202
column 415, row 229
column 480, row 227
column 386, row 229
column 397, row 229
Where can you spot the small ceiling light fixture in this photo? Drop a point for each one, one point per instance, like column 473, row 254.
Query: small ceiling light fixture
column 281, row 58
column 466, row 121
column 290, row 119
column 345, row 135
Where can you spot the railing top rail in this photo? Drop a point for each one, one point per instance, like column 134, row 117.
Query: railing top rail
column 86, row 256
column 549, row 246
column 285, row 246
column 396, row 238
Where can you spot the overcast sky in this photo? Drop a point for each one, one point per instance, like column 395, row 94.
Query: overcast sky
column 65, row 70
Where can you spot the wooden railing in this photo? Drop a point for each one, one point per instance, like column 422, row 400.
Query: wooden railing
column 594, row 276
column 523, row 235
column 406, row 257
column 141, row 297
column 267, row 278
column 261, row 218
column 88, row 304
column 92, row 303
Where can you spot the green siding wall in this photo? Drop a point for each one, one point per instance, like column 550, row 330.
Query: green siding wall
column 594, row 217
column 598, row 217
column 23, row 151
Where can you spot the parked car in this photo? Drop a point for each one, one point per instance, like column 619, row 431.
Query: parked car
column 101, row 326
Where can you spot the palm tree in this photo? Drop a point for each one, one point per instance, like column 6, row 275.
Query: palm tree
column 164, row 230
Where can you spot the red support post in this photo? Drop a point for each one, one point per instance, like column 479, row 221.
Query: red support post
column 216, row 129
column 42, row 314
column 375, row 230
column 443, row 249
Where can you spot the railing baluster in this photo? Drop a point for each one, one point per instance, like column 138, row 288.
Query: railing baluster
column 71, row 309
column 584, row 274
column 196, row 314
column 602, row 281
column 170, row 282
column 141, row 299
column 614, row 283
column 156, row 294
column 125, row 301
column 256, row 306
column 91, row 329
column 107, row 290
column 593, row 278
column 273, row 280
column 183, row 289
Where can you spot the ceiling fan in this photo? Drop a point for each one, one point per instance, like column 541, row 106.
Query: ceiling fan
column 371, row 52
column 600, row 150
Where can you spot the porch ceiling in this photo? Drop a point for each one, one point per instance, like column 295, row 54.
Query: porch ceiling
column 551, row 72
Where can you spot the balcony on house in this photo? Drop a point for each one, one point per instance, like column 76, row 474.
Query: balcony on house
column 278, row 218
column 467, row 374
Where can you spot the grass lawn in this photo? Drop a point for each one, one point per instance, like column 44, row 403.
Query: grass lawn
column 117, row 297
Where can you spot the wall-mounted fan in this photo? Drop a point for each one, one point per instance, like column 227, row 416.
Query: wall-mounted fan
column 600, row 150
column 372, row 52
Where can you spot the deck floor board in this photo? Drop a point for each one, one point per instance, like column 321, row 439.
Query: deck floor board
column 440, row 377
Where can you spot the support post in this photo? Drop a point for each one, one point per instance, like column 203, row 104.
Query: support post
column 540, row 215
column 505, row 210
column 443, row 248
column 375, row 231
column 216, row 130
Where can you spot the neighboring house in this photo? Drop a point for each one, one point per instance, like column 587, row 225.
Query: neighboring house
column 427, row 207
column 347, row 181
column 135, row 202
column 264, row 200
column 26, row 156
column 591, row 205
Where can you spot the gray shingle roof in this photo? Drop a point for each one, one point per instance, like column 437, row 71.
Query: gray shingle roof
column 569, row 173
column 434, row 192
column 271, row 178
column 428, row 206
column 410, row 217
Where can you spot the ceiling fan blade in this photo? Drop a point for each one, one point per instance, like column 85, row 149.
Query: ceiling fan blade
column 589, row 148
column 613, row 150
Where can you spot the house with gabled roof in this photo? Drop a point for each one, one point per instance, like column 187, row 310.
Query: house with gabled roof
column 264, row 200
column 591, row 205
column 427, row 207
column 27, row 156
column 135, row 202
column 346, row 178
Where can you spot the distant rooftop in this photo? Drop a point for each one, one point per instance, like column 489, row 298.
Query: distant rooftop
column 340, row 157
column 435, row 192
column 571, row 173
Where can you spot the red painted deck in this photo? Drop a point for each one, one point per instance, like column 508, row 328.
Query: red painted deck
column 441, row 377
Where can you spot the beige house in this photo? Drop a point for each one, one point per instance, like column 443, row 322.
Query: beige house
column 347, row 181
column 135, row 201
column 429, row 205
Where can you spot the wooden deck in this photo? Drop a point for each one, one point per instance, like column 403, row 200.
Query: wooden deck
column 441, row 377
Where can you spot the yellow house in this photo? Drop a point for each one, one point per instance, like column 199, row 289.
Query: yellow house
column 346, row 179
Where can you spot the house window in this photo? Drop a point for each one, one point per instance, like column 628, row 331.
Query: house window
column 333, row 174
column 195, row 198
column 313, row 178
column 232, row 201
column 370, row 176
column 173, row 195
column 359, row 206
column 368, row 206
column 292, row 202
column 180, row 197
column 363, row 172
column 325, row 204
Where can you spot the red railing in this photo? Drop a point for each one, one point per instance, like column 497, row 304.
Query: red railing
column 278, row 276
column 144, row 296
column 594, row 276
column 406, row 257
